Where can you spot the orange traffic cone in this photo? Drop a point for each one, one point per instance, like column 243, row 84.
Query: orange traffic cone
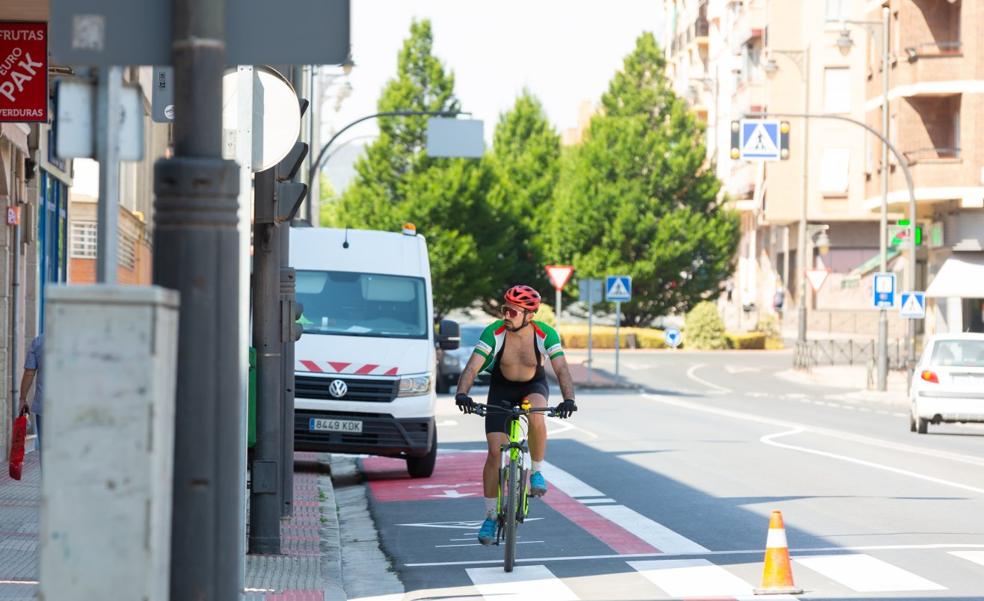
column 777, row 575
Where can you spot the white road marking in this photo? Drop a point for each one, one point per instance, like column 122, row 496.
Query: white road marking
column 525, row 583
column 740, row 369
column 974, row 556
column 572, row 486
column 569, row 426
column 601, row 500
column 695, row 578
column 715, row 388
column 668, row 556
column 447, row 422
column 839, row 434
column 769, row 439
column 519, row 542
column 648, row 530
column 867, row 574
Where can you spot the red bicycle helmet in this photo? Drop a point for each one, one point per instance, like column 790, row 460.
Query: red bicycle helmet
column 524, row 297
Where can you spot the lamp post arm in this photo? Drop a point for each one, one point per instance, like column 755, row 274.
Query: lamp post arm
column 316, row 165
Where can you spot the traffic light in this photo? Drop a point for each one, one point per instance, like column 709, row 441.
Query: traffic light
column 289, row 194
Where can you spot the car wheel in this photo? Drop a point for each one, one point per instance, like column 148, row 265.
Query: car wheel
column 423, row 467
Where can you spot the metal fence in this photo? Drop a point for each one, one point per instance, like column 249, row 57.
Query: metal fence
column 813, row 353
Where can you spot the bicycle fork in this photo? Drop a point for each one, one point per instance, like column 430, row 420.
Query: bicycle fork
column 519, row 453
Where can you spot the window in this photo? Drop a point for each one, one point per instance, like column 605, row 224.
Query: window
column 837, row 10
column 362, row 304
column 834, row 171
column 83, row 243
column 127, row 251
column 837, row 90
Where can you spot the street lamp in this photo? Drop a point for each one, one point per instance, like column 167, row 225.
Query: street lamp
column 800, row 58
column 844, row 43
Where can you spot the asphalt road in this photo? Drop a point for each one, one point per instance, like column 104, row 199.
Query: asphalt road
column 665, row 491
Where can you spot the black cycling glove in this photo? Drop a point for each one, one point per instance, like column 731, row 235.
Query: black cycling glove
column 464, row 402
column 566, row 409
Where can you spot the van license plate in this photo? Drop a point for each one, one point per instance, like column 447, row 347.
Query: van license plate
column 318, row 424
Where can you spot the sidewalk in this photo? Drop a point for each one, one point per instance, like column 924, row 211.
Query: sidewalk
column 854, row 380
column 309, row 569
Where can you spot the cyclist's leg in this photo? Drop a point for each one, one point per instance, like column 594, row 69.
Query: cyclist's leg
column 538, row 427
column 490, row 475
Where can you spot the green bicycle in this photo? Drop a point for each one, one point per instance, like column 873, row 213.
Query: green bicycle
column 513, row 503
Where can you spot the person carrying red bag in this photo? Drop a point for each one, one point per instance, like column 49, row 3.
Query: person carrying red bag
column 33, row 375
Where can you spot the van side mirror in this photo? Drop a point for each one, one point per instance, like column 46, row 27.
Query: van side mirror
column 449, row 335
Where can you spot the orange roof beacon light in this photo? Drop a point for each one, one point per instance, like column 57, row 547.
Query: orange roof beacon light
column 409, row 229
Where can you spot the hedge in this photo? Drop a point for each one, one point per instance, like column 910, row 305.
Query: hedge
column 603, row 337
column 746, row 341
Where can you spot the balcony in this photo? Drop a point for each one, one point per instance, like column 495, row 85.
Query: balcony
column 701, row 27
column 750, row 24
column 934, row 49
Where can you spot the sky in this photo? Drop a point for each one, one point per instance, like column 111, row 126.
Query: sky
column 564, row 51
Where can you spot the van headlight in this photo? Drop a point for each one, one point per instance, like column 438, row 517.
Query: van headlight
column 415, row 386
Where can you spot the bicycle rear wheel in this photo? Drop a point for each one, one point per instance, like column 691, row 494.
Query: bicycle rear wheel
column 512, row 493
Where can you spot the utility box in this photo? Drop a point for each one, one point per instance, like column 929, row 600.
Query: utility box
column 109, row 369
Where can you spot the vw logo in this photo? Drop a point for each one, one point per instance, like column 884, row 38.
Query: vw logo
column 338, row 388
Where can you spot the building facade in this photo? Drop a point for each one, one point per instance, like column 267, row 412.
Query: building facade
column 734, row 58
column 936, row 114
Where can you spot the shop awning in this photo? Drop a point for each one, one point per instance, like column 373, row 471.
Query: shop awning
column 961, row 276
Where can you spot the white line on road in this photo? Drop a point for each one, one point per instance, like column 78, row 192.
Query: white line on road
column 858, row 438
column 652, row 532
column 567, row 482
column 668, row 556
column 695, row 578
column 974, row 556
column 769, row 439
column 716, row 389
column 568, row 426
column 866, row 574
column 525, row 583
column 601, row 500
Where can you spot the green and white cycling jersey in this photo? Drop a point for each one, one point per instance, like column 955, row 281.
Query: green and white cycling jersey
column 491, row 341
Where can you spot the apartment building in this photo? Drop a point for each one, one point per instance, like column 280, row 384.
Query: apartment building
column 784, row 57
column 936, row 114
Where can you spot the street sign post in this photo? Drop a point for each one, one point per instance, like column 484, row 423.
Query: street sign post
column 759, row 140
column 618, row 289
column 590, row 292
column 672, row 337
column 450, row 137
column 816, row 278
column 559, row 274
column 913, row 305
column 884, row 291
column 162, row 95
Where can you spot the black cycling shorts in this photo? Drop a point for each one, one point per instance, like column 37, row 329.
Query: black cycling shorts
column 509, row 394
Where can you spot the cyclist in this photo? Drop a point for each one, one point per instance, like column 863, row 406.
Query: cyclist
column 512, row 349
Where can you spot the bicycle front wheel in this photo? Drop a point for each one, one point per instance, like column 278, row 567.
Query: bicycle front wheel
column 512, row 493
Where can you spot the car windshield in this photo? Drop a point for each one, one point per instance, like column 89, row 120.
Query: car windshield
column 362, row 304
column 958, row 353
column 470, row 336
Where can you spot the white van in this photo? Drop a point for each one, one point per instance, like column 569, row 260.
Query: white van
column 365, row 365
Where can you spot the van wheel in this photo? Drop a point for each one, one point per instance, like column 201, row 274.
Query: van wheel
column 922, row 425
column 423, row 467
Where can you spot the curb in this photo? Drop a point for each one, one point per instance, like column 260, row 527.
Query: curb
column 331, row 545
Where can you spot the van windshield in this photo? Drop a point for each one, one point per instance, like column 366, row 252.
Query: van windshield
column 362, row 304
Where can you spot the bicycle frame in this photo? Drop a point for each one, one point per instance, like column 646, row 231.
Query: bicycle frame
column 517, row 451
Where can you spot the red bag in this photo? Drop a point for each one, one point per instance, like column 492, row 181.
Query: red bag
column 17, row 446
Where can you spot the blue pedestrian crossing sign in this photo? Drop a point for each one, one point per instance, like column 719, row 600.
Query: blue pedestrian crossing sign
column 759, row 140
column 913, row 305
column 884, row 290
column 672, row 337
column 618, row 288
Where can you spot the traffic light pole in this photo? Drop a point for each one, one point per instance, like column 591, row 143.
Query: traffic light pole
column 287, row 289
column 266, row 492
column 197, row 253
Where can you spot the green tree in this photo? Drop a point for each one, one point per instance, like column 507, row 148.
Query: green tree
column 639, row 198
column 397, row 182
column 524, row 166
column 327, row 205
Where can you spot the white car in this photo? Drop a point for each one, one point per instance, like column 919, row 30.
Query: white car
column 948, row 382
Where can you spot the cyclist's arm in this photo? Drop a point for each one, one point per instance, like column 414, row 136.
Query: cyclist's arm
column 563, row 372
column 470, row 372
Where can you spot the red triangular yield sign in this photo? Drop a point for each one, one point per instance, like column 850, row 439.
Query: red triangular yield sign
column 816, row 277
column 559, row 274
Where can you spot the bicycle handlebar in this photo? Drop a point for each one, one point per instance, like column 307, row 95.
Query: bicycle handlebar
column 482, row 408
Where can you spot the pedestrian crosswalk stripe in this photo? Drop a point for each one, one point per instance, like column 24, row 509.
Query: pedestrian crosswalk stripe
column 695, row 578
column 866, row 574
column 974, row 556
column 572, row 486
column 652, row 532
column 524, row 583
